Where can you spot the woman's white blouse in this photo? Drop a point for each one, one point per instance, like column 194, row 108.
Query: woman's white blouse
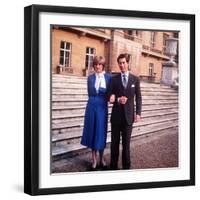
column 100, row 81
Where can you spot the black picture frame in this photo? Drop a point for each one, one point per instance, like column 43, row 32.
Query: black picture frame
column 32, row 104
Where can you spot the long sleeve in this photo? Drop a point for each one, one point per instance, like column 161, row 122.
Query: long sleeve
column 90, row 86
column 109, row 88
column 138, row 98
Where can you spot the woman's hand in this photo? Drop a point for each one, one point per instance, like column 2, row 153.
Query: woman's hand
column 112, row 98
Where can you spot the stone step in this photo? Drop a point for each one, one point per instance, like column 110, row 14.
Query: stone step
column 73, row 79
column 85, row 96
column 65, row 76
column 77, row 123
column 68, row 103
column 74, row 127
column 145, row 113
column 63, row 86
column 70, row 117
column 76, row 137
column 84, row 82
column 81, row 91
column 75, row 98
column 77, row 132
column 80, row 80
column 72, row 149
column 69, row 98
column 80, row 109
column 81, row 102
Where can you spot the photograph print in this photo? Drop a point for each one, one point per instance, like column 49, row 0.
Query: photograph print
column 92, row 130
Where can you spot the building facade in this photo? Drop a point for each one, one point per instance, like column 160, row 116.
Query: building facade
column 73, row 49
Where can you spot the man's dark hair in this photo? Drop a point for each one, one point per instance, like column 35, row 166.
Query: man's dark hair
column 124, row 55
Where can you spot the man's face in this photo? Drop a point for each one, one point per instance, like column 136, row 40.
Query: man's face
column 123, row 65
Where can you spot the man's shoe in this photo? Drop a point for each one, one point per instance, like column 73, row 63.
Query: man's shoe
column 103, row 166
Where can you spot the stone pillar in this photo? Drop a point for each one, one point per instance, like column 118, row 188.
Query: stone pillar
column 169, row 68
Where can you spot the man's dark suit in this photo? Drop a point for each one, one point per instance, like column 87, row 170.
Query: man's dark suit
column 122, row 117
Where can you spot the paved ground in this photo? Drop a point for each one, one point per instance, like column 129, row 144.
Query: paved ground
column 158, row 150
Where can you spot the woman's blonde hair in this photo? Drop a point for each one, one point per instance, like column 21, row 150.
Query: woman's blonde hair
column 99, row 60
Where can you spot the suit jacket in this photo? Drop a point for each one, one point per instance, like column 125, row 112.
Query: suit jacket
column 132, row 92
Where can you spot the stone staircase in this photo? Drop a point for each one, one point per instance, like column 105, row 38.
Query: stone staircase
column 69, row 97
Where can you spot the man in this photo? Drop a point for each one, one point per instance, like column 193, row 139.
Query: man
column 123, row 89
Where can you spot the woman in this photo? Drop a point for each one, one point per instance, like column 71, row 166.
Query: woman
column 95, row 124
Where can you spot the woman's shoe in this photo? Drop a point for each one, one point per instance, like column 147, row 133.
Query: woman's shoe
column 93, row 167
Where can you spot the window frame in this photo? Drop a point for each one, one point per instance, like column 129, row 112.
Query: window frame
column 67, row 65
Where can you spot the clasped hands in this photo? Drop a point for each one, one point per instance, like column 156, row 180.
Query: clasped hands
column 122, row 100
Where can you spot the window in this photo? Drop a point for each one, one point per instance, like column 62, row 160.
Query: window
column 90, row 53
column 138, row 33
column 130, row 32
column 165, row 37
column 176, row 34
column 151, row 69
column 153, row 39
column 65, row 53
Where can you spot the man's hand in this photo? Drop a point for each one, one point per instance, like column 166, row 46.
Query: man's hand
column 122, row 100
column 112, row 98
column 137, row 118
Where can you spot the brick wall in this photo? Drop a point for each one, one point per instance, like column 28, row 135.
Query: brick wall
column 79, row 45
column 110, row 49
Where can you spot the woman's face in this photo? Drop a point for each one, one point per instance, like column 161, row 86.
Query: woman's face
column 98, row 68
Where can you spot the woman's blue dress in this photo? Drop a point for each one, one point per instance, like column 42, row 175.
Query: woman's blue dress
column 96, row 115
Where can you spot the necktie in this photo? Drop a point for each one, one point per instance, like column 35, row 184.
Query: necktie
column 124, row 81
